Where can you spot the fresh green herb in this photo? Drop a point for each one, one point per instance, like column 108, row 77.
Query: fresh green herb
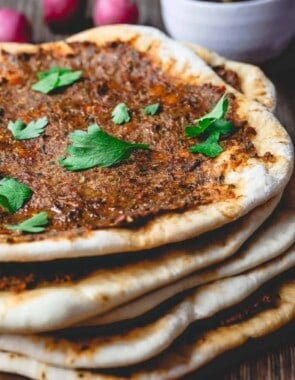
column 53, row 70
column 21, row 131
column 55, row 78
column 209, row 147
column 96, row 148
column 33, row 225
column 69, row 78
column 120, row 114
column 46, row 85
column 152, row 110
column 224, row 127
column 202, row 124
column 13, row 194
column 212, row 125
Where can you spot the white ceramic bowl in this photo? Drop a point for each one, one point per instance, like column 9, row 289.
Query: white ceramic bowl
column 253, row 30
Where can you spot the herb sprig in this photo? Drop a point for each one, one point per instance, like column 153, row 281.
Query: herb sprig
column 21, row 131
column 13, row 194
column 213, row 125
column 95, row 147
column 34, row 225
column 210, row 147
column 54, row 78
column 152, row 109
column 121, row 114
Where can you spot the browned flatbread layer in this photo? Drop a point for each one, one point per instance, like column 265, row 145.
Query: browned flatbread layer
column 264, row 312
column 18, row 278
column 143, row 339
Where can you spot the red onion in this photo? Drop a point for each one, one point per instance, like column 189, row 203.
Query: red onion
column 115, row 12
column 61, row 13
column 14, row 26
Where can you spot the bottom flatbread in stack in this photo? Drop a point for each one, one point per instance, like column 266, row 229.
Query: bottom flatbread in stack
column 137, row 344
column 264, row 314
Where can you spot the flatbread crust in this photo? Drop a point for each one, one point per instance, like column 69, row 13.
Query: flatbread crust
column 38, row 308
column 266, row 244
column 254, row 182
column 140, row 343
column 182, row 358
column 254, row 83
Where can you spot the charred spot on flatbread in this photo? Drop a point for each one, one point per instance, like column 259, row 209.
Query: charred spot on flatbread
column 229, row 76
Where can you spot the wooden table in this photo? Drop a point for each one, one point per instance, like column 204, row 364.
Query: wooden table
column 272, row 358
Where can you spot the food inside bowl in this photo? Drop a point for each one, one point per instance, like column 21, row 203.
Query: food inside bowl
column 224, row 1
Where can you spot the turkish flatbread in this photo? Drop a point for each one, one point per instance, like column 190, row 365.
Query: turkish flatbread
column 140, row 343
column 266, row 244
column 32, row 293
column 185, row 356
column 162, row 195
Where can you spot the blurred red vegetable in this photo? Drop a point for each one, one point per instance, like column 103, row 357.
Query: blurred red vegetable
column 14, row 26
column 62, row 14
column 115, row 12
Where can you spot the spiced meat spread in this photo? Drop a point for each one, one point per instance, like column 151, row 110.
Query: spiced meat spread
column 166, row 178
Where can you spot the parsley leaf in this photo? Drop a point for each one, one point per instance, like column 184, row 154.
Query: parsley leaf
column 120, row 114
column 13, row 194
column 47, row 84
column 68, row 78
column 96, row 148
column 202, row 124
column 53, row 70
column 212, row 125
column 55, row 78
column 21, row 131
column 209, row 147
column 224, row 127
column 152, row 110
column 36, row 224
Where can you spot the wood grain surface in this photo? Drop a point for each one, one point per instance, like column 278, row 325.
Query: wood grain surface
column 272, row 358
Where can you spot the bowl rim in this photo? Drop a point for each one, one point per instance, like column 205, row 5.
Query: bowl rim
column 239, row 4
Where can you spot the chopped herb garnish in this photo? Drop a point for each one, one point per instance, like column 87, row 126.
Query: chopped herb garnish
column 212, row 125
column 53, row 70
column 13, row 194
column 152, row 110
column 121, row 114
column 55, row 78
column 21, row 131
column 46, row 85
column 95, row 147
column 202, row 124
column 209, row 147
column 69, row 78
column 224, row 127
column 33, row 225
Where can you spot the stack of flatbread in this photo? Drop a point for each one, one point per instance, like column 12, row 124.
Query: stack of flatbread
column 158, row 297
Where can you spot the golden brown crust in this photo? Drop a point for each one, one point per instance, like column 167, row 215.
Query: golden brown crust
column 143, row 342
column 156, row 269
column 174, row 364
